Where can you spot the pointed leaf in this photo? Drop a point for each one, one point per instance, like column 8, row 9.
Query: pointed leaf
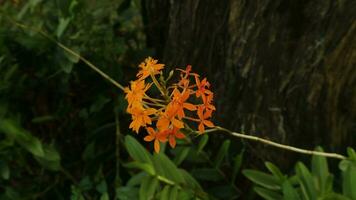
column 320, row 170
column 166, row 168
column 268, row 194
column 289, row 192
column 22, row 137
column 306, row 181
column 143, row 166
column 349, row 181
column 237, row 166
column 207, row 174
column 263, row 179
column 203, row 141
column 181, row 155
column 136, row 179
column 148, row 188
column 136, row 150
column 222, row 153
column 274, row 170
column 165, row 193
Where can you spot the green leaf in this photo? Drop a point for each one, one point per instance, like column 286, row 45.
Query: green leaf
column 148, row 188
column 351, row 153
column 89, row 152
column 334, row 196
column 349, row 181
column 203, row 141
column 344, row 164
column 127, row 193
column 102, row 187
column 320, row 170
column 181, row 155
column 136, row 150
column 63, row 23
column 207, row 174
column 237, row 165
column 22, row 137
column 190, row 180
column 166, row 168
column 268, row 194
column 104, row 196
column 224, row 192
column 51, row 159
column 274, row 170
column 174, row 193
column 263, row 179
column 289, row 192
column 4, row 170
column 306, row 181
column 223, row 151
column 143, row 166
column 164, row 195
column 186, row 195
column 136, row 179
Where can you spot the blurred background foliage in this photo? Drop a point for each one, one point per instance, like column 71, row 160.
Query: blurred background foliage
column 64, row 131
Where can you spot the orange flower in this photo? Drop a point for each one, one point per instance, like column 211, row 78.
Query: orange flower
column 141, row 117
column 179, row 101
column 157, row 137
column 207, row 100
column 173, row 134
column 135, row 95
column 203, row 116
column 167, row 113
column 202, row 87
column 184, row 82
column 168, row 118
column 149, row 67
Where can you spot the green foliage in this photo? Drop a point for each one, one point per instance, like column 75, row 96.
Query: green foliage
column 159, row 176
column 57, row 117
column 306, row 184
column 175, row 182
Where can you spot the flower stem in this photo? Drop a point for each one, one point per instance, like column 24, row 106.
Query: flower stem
column 217, row 128
column 281, row 146
column 155, row 81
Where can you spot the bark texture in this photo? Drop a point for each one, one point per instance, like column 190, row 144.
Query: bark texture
column 281, row 69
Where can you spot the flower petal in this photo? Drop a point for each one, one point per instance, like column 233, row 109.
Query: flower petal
column 201, row 127
column 172, row 141
column 156, row 146
column 149, row 138
column 190, row 106
column 177, row 123
column 208, row 123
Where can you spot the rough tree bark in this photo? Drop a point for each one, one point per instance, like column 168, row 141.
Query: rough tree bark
column 282, row 69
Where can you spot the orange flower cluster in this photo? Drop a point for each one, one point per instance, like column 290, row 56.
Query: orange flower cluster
column 163, row 118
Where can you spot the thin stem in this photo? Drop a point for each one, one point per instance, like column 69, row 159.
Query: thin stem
column 154, row 104
column 70, row 51
column 192, row 119
column 153, row 99
column 155, row 81
column 118, row 85
column 281, row 146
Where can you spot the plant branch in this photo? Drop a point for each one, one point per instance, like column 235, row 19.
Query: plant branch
column 70, row 51
column 278, row 145
column 217, row 128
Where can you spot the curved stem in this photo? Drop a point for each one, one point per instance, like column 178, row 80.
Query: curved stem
column 217, row 128
column 70, row 51
column 155, row 81
column 281, row 146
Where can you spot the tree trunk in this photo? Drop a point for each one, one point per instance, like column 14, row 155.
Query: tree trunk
column 281, row 69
